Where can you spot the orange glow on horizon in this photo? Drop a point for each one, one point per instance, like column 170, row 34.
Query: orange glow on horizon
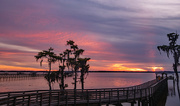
column 6, row 67
column 116, row 67
column 120, row 67
column 155, row 68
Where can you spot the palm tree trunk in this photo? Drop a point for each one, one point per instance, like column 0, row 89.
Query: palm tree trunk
column 175, row 65
column 82, row 83
column 82, row 80
column 75, row 86
column 75, row 79
column 49, row 81
column 62, row 78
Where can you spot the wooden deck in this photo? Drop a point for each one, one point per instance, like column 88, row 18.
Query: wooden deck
column 76, row 97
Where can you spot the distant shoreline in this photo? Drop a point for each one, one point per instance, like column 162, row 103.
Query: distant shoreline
column 1, row 71
column 133, row 71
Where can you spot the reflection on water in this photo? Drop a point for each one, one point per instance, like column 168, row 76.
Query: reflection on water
column 115, row 80
column 173, row 94
column 178, row 90
column 94, row 80
column 32, row 83
column 171, row 91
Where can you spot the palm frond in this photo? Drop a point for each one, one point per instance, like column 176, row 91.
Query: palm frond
column 70, row 42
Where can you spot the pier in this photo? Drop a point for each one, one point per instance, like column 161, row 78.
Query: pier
column 10, row 77
column 142, row 93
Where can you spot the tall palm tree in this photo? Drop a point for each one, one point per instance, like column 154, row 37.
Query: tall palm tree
column 84, row 69
column 73, row 61
column 173, row 49
column 51, row 58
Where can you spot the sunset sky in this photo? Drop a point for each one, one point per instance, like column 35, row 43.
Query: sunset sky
column 118, row 35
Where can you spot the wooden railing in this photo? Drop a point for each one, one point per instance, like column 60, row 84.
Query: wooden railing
column 86, row 96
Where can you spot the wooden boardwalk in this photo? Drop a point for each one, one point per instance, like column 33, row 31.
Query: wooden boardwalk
column 85, row 97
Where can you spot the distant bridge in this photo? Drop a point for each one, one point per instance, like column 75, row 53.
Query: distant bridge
column 87, row 97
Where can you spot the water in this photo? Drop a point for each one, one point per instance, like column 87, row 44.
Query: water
column 94, row 80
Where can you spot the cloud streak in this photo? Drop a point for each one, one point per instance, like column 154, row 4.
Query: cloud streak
column 17, row 47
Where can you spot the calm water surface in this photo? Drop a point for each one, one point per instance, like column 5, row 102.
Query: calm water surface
column 94, row 80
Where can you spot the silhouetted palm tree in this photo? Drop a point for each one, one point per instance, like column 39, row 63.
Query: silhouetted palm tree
column 51, row 58
column 84, row 69
column 73, row 61
column 62, row 59
column 174, row 49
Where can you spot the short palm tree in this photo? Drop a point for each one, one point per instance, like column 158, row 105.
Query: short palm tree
column 62, row 59
column 84, row 69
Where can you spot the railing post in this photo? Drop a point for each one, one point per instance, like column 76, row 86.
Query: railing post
column 127, row 94
column 41, row 99
column 14, row 101
column 104, row 93
column 111, row 92
column 50, row 98
column 23, row 98
column 29, row 100
column 118, row 96
column 75, row 95
column 36, row 96
column 59, row 98
column 96, row 93
column 134, row 94
column 100, row 98
column 87, row 97
column 8, row 99
column 109, row 97
column 141, row 93
column 149, row 92
column 66, row 98
column 152, row 90
column 123, row 91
